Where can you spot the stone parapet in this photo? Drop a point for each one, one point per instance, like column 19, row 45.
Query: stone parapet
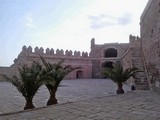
column 27, row 51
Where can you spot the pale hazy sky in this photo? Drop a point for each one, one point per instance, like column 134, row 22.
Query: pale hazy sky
column 65, row 24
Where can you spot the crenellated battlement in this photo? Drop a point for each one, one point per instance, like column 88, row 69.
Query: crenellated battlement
column 51, row 52
column 133, row 38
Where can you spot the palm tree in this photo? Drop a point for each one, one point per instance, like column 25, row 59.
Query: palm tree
column 119, row 75
column 28, row 82
column 57, row 72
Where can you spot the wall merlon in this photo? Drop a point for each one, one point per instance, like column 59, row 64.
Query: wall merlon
column 24, row 50
column 27, row 51
column 47, row 51
column 52, row 51
column 68, row 53
column 84, row 54
column 77, row 53
column 59, row 52
column 41, row 50
column 36, row 50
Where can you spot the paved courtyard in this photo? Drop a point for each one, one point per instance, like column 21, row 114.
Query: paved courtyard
column 69, row 91
column 135, row 105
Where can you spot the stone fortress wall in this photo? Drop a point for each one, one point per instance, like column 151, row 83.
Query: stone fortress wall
column 100, row 57
column 91, row 64
column 150, row 41
column 142, row 52
column 75, row 59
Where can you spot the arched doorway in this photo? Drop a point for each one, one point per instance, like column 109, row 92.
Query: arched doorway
column 79, row 74
column 107, row 64
column 111, row 52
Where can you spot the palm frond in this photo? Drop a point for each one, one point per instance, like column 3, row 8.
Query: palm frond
column 118, row 74
column 30, row 79
column 57, row 71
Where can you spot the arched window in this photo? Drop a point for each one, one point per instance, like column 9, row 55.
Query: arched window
column 111, row 52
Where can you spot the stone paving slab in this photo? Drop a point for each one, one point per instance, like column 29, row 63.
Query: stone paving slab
column 69, row 91
column 135, row 105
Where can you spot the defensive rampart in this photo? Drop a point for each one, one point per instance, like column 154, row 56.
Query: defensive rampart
column 75, row 59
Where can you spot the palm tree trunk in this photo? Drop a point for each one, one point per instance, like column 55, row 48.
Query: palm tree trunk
column 29, row 104
column 120, row 88
column 52, row 100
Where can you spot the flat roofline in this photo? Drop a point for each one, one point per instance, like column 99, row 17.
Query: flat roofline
column 146, row 9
